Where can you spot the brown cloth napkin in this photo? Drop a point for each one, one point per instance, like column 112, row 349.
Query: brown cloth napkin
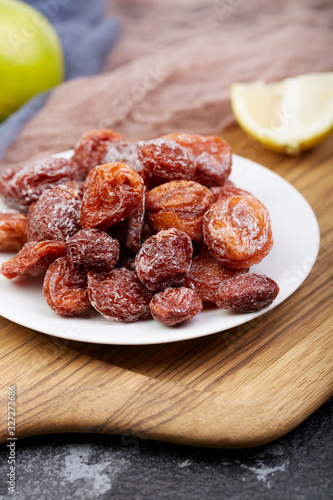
column 173, row 67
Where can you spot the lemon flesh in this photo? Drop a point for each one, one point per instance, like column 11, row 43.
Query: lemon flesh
column 31, row 57
column 289, row 116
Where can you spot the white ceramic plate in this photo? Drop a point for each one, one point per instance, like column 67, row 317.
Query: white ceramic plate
column 296, row 244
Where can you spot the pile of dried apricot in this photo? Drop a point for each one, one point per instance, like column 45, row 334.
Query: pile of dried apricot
column 134, row 229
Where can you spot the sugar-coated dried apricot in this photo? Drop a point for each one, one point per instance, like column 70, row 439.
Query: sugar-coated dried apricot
column 91, row 148
column 124, row 152
column 118, row 295
column 164, row 259
column 206, row 274
column 178, row 204
column 93, row 248
column 56, row 214
column 21, row 186
column 65, row 288
column 114, row 193
column 237, row 231
column 13, row 228
column 247, row 292
column 175, row 305
column 33, row 259
column 166, row 159
column 211, row 156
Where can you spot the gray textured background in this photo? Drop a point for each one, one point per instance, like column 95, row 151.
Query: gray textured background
column 77, row 466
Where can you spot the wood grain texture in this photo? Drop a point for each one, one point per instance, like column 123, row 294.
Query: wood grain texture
column 243, row 387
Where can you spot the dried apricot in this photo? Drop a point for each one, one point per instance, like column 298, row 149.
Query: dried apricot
column 93, row 248
column 211, row 156
column 13, row 228
column 178, row 204
column 114, row 193
column 175, row 305
column 21, row 186
column 247, row 292
column 65, row 288
column 33, row 259
column 206, row 275
column 56, row 214
column 166, row 159
column 118, row 295
column 237, row 231
column 91, row 148
column 164, row 259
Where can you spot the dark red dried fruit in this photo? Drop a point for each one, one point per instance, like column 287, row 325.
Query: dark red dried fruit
column 211, row 156
column 124, row 152
column 91, row 148
column 33, row 259
column 164, row 259
column 65, row 288
column 206, row 275
column 56, row 214
column 118, row 295
column 175, row 305
column 247, row 292
column 21, row 186
column 93, row 248
column 13, row 228
column 178, row 204
column 167, row 159
column 114, row 193
column 237, row 231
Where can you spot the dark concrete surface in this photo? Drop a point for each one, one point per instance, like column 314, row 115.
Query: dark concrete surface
column 298, row 466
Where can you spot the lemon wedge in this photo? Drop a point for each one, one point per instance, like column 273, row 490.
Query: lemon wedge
column 289, row 116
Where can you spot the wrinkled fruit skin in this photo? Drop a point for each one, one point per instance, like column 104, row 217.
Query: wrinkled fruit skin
column 135, row 225
column 91, row 148
column 114, row 193
column 211, row 156
column 164, row 259
column 237, row 231
column 19, row 187
column 56, row 214
column 166, row 159
column 93, row 248
column 65, row 288
column 178, row 204
column 33, row 259
column 175, row 305
column 247, row 293
column 206, row 275
column 227, row 191
column 32, row 232
column 124, row 152
column 118, row 295
column 13, row 228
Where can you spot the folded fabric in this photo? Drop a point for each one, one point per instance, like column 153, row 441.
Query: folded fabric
column 86, row 37
column 174, row 72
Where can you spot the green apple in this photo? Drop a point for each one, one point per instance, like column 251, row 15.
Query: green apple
column 31, row 57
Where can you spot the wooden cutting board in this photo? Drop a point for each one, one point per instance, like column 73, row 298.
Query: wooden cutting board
column 243, row 387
